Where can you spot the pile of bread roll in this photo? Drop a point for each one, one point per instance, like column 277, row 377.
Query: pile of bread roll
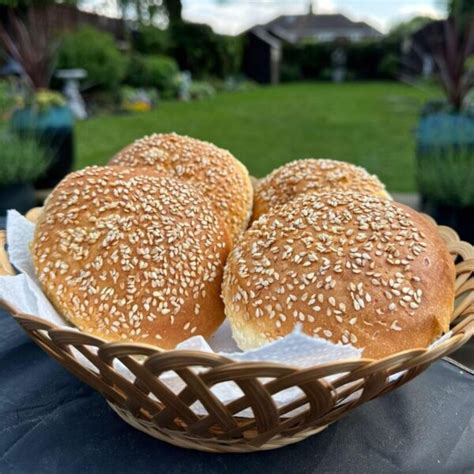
column 173, row 236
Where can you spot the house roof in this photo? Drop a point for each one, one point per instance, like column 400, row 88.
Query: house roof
column 293, row 27
column 263, row 34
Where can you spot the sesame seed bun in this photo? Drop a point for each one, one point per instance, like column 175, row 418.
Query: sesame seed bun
column 214, row 171
column 348, row 267
column 310, row 175
column 127, row 254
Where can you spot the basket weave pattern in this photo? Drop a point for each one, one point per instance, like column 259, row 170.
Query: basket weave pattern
column 326, row 391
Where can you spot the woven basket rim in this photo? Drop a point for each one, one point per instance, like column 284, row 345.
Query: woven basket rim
column 143, row 347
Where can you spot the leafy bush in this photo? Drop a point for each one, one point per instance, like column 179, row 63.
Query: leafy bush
column 151, row 40
column 201, row 90
column 96, row 52
column 43, row 99
column 445, row 155
column 7, row 100
column 389, row 66
column 446, row 174
column 21, row 159
column 138, row 100
column 204, row 53
column 238, row 84
column 153, row 71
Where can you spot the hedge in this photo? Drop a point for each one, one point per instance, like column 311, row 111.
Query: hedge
column 204, row 53
column 376, row 59
column 151, row 40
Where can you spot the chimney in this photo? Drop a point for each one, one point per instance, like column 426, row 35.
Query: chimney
column 311, row 8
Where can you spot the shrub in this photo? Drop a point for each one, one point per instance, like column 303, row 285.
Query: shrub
column 94, row 51
column 389, row 66
column 151, row 40
column 204, row 53
column 22, row 159
column 43, row 99
column 445, row 156
column 138, row 100
column 7, row 99
column 238, row 84
column 446, row 174
column 201, row 90
column 153, row 71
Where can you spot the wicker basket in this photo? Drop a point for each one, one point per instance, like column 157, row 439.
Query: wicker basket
column 149, row 405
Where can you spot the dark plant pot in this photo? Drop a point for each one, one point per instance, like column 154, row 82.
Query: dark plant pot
column 53, row 128
column 459, row 218
column 19, row 196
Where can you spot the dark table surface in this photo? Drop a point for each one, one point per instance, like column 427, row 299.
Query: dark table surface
column 50, row 422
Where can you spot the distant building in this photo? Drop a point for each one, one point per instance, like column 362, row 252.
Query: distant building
column 262, row 53
column 320, row 28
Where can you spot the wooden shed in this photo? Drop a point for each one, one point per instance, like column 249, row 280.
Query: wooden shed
column 262, row 56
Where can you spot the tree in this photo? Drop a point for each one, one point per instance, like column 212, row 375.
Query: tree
column 174, row 9
column 32, row 3
column 461, row 7
column 463, row 12
column 151, row 11
column 407, row 28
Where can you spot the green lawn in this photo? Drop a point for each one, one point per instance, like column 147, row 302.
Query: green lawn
column 370, row 124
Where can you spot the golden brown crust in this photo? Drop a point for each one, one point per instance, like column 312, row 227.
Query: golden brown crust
column 213, row 170
column 348, row 267
column 312, row 175
column 127, row 254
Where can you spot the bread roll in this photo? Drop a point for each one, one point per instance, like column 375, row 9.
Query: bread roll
column 214, row 171
column 347, row 267
column 306, row 176
column 127, row 254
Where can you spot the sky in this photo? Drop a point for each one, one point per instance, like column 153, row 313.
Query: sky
column 234, row 16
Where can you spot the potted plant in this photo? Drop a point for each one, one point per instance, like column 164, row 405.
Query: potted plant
column 44, row 113
column 22, row 160
column 445, row 134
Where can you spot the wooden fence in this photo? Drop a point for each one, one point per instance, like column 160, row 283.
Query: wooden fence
column 61, row 18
